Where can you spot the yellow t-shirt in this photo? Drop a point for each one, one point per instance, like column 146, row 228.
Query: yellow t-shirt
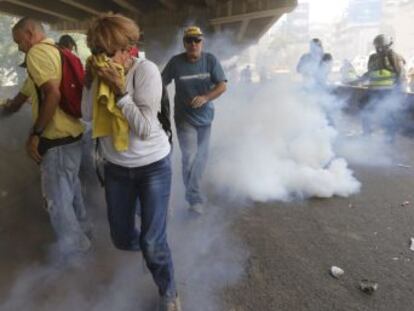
column 28, row 88
column 44, row 64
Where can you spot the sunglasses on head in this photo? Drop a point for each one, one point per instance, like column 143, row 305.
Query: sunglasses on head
column 190, row 40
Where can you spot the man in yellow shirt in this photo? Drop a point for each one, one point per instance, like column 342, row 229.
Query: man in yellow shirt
column 55, row 140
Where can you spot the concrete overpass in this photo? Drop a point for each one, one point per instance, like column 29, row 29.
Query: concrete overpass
column 244, row 21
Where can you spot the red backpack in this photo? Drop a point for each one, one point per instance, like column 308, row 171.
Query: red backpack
column 71, row 84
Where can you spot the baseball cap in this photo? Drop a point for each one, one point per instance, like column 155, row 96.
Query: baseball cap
column 193, row 31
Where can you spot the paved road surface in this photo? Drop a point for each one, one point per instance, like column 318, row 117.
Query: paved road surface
column 270, row 257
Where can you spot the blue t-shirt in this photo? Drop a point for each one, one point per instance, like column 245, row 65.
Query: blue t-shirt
column 193, row 79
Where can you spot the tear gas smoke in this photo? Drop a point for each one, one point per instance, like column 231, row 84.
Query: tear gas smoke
column 207, row 257
column 276, row 144
column 369, row 137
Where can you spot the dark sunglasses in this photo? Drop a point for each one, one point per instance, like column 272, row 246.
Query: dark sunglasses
column 98, row 51
column 190, row 40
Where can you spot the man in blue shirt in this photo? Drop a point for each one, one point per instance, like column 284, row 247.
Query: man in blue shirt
column 199, row 79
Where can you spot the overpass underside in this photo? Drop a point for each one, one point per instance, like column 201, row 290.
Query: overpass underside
column 245, row 21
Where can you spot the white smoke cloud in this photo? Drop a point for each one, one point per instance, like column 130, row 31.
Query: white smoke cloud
column 207, row 258
column 370, row 135
column 274, row 142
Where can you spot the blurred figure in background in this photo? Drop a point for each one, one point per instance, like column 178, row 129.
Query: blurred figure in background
column 309, row 64
column 246, row 75
column 67, row 42
column 385, row 67
column 325, row 68
column 410, row 79
column 315, row 66
column 385, row 72
column 348, row 73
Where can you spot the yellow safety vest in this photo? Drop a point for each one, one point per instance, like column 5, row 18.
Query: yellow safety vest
column 382, row 78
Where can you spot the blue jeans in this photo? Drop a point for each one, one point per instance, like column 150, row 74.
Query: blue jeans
column 194, row 144
column 62, row 191
column 148, row 189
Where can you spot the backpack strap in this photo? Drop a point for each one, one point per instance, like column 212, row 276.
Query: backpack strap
column 164, row 115
column 97, row 159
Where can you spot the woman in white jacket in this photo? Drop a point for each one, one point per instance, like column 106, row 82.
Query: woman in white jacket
column 140, row 176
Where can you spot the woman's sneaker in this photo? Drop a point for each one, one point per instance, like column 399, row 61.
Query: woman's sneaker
column 168, row 304
column 197, row 208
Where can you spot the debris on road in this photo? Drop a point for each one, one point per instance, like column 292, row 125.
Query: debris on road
column 4, row 194
column 412, row 244
column 404, row 165
column 405, row 203
column 336, row 272
column 368, row 287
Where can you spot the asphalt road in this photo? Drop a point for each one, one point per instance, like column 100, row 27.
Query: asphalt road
column 292, row 247
column 264, row 257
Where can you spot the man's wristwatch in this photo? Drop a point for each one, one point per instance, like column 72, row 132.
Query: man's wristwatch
column 36, row 132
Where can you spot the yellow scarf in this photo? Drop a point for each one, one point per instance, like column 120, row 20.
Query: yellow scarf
column 108, row 119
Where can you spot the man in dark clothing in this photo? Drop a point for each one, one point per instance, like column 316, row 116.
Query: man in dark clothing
column 385, row 67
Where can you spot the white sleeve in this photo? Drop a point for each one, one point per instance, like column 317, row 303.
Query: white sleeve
column 141, row 105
